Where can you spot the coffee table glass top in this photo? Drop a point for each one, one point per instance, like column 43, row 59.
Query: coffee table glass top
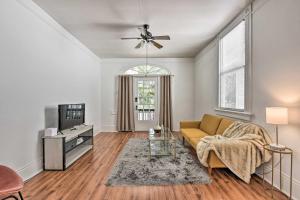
column 165, row 134
column 161, row 143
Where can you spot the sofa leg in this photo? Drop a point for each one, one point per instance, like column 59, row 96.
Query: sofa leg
column 183, row 141
column 209, row 171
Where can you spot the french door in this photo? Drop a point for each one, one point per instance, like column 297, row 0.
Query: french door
column 146, row 105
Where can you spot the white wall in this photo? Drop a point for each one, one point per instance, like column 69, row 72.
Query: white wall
column 206, row 84
column 41, row 65
column 276, row 74
column 181, row 68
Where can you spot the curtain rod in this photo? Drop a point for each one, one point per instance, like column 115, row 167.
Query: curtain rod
column 150, row 75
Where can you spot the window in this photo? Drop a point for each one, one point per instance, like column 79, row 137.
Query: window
column 147, row 70
column 232, row 68
column 233, row 65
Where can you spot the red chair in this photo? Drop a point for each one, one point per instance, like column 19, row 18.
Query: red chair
column 10, row 184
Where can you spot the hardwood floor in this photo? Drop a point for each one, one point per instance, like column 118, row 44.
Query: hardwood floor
column 86, row 180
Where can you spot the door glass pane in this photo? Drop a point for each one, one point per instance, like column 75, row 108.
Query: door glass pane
column 146, row 100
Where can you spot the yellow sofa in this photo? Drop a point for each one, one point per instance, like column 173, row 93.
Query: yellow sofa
column 193, row 131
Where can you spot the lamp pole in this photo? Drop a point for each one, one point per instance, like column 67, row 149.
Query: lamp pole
column 276, row 127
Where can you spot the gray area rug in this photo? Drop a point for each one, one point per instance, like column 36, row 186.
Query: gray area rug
column 134, row 168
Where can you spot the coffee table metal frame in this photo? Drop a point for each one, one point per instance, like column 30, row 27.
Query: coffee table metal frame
column 161, row 144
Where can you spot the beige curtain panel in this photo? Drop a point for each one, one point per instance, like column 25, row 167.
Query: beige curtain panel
column 125, row 114
column 166, row 113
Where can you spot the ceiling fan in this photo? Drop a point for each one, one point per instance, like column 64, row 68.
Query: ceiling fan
column 146, row 37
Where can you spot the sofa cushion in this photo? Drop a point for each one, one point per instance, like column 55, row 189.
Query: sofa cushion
column 194, row 142
column 190, row 124
column 192, row 133
column 225, row 123
column 210, row 124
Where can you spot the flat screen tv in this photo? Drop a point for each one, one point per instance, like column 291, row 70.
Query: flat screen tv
column 70, row 115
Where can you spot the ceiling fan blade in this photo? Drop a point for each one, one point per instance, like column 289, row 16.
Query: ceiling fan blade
column 156, row 44
column 161, row 37
column 131, row 38
column 140, row 44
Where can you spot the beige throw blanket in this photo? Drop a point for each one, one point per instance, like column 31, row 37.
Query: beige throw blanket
column 240, row 148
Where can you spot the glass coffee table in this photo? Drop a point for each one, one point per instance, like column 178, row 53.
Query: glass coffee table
column 162, row 143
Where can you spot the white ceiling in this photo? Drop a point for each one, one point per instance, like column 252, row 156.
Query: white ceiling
column 99, row 24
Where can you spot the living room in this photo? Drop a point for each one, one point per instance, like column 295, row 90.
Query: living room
column 63, row 60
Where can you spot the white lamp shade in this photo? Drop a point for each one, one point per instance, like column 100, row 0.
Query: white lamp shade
column 276, row 115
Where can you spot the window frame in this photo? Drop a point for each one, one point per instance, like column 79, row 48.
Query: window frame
column 146, row 72
column 245, row 15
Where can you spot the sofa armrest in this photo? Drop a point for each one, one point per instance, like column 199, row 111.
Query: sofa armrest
column 190, row 124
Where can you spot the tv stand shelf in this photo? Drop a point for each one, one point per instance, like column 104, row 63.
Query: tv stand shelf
column 76, row 153
column 62, row 150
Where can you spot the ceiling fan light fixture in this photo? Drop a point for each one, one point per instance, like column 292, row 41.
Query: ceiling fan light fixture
column 146, row 37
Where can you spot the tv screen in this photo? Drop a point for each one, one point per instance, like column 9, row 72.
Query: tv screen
column 70, row 115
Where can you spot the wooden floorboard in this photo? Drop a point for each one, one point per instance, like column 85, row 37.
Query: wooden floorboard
column 86, row 179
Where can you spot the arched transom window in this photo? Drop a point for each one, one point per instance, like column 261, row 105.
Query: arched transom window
column 147, row 70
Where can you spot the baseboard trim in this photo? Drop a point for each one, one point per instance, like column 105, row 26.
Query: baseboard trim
column 31, row 169
column 96, row 132
column 109, row 128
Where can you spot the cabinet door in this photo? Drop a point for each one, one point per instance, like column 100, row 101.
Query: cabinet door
column 53, row 154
